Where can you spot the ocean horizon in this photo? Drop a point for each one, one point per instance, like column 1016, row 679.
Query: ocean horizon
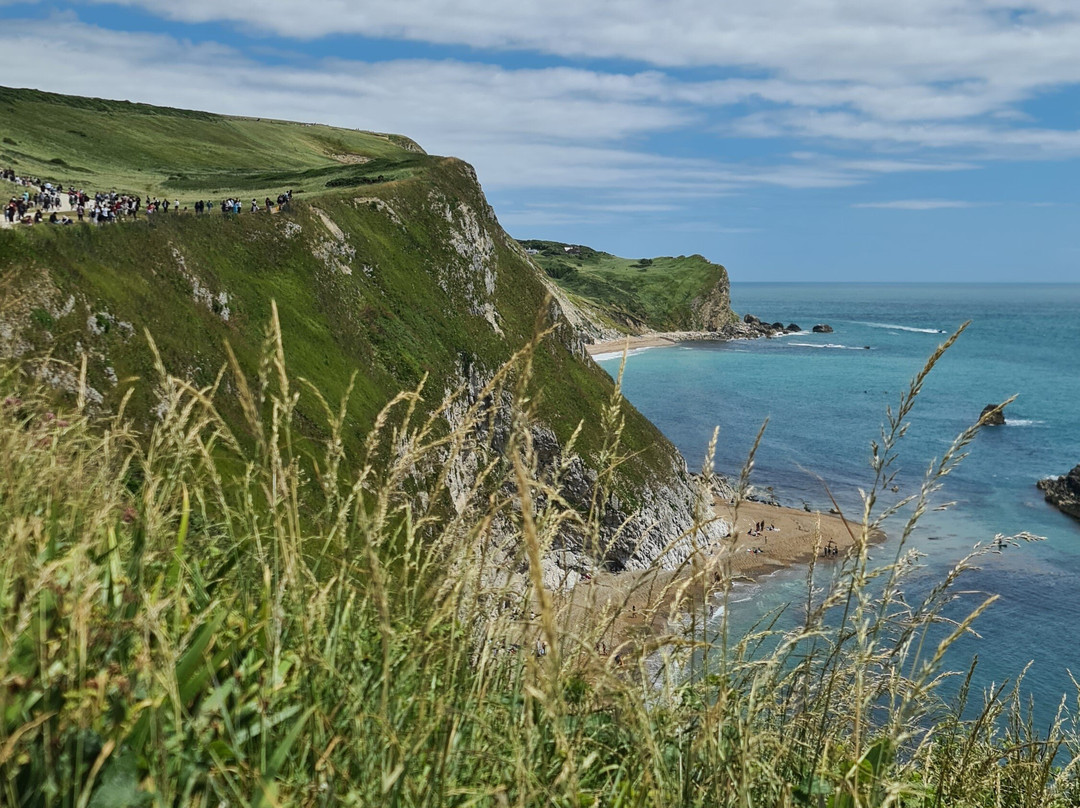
column 825, row 399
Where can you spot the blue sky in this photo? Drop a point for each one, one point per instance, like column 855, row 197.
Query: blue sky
column 816, row 140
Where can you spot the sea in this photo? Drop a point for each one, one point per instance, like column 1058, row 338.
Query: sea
column 825, row 398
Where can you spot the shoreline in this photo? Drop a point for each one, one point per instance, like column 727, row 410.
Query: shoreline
column 657, row 339
column 645, row 607
column 736, row 330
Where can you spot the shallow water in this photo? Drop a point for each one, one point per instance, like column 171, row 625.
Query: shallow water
column 826, row 395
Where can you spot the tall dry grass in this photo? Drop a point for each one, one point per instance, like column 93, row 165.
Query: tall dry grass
column 202, row 616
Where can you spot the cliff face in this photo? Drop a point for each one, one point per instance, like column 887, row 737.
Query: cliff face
column 711, row 309
column 394, row 282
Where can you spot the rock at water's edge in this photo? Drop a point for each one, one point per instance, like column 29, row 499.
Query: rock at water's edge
column 1063, row 492
column 766, row 496
column 823, row 328
column 793, row 328
column 997, row 419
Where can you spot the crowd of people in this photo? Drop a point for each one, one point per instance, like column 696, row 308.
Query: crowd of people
column 40, row 201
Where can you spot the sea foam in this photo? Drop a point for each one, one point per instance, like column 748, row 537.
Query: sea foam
column 831, row 345
column 908, row 328
column 604, row 357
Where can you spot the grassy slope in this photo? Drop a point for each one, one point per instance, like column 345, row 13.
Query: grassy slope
column 401, row 314
column 629, row 294
column 157, row 151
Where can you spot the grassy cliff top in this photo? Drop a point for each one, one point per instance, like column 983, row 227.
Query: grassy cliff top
column 395, row 268
column 632, row 295
column 96, row 144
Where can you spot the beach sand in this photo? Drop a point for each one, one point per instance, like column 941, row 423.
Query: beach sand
column 615, row 611
column 652, row 340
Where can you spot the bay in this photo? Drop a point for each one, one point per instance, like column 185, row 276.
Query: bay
column 825, row 398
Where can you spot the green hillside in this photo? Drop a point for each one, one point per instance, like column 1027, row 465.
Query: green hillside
column 394, row 281
column 161, row 152
column 387, row 301
column 687, row 293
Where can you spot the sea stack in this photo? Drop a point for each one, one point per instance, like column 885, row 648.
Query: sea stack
column 1063, row 492
column 991, row 418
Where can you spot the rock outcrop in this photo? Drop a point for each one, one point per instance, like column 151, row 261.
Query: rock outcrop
column 1063, row 492
column 415, row 279
column 822, row 328
column 756, row 327
column 992, row 415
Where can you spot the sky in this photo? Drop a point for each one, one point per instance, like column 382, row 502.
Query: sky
column 790, row 140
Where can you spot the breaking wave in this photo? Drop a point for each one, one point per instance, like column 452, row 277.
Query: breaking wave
column 831, row 345
column 604, row 357
column 913, row 330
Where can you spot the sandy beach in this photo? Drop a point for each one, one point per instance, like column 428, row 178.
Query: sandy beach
column 617, row 610
column 655, row 339
column 633, row 606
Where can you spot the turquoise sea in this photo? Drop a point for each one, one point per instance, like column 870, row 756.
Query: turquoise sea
column 826, row 395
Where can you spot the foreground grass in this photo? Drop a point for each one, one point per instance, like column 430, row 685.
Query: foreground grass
column 331, row 630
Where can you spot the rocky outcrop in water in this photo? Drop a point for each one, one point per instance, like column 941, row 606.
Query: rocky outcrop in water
column 992, row 416
column 1063, row 492
column 755, row 327
column 822, row 328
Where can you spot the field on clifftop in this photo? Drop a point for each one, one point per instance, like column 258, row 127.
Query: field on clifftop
column 172, row 153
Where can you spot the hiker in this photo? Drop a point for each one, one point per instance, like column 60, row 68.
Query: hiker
column 103, row 206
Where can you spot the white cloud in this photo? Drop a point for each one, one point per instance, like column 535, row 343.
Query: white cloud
column 883, row 166
column 557, row 128
column 955, row 39
column 919, row 204
column 989, row 140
